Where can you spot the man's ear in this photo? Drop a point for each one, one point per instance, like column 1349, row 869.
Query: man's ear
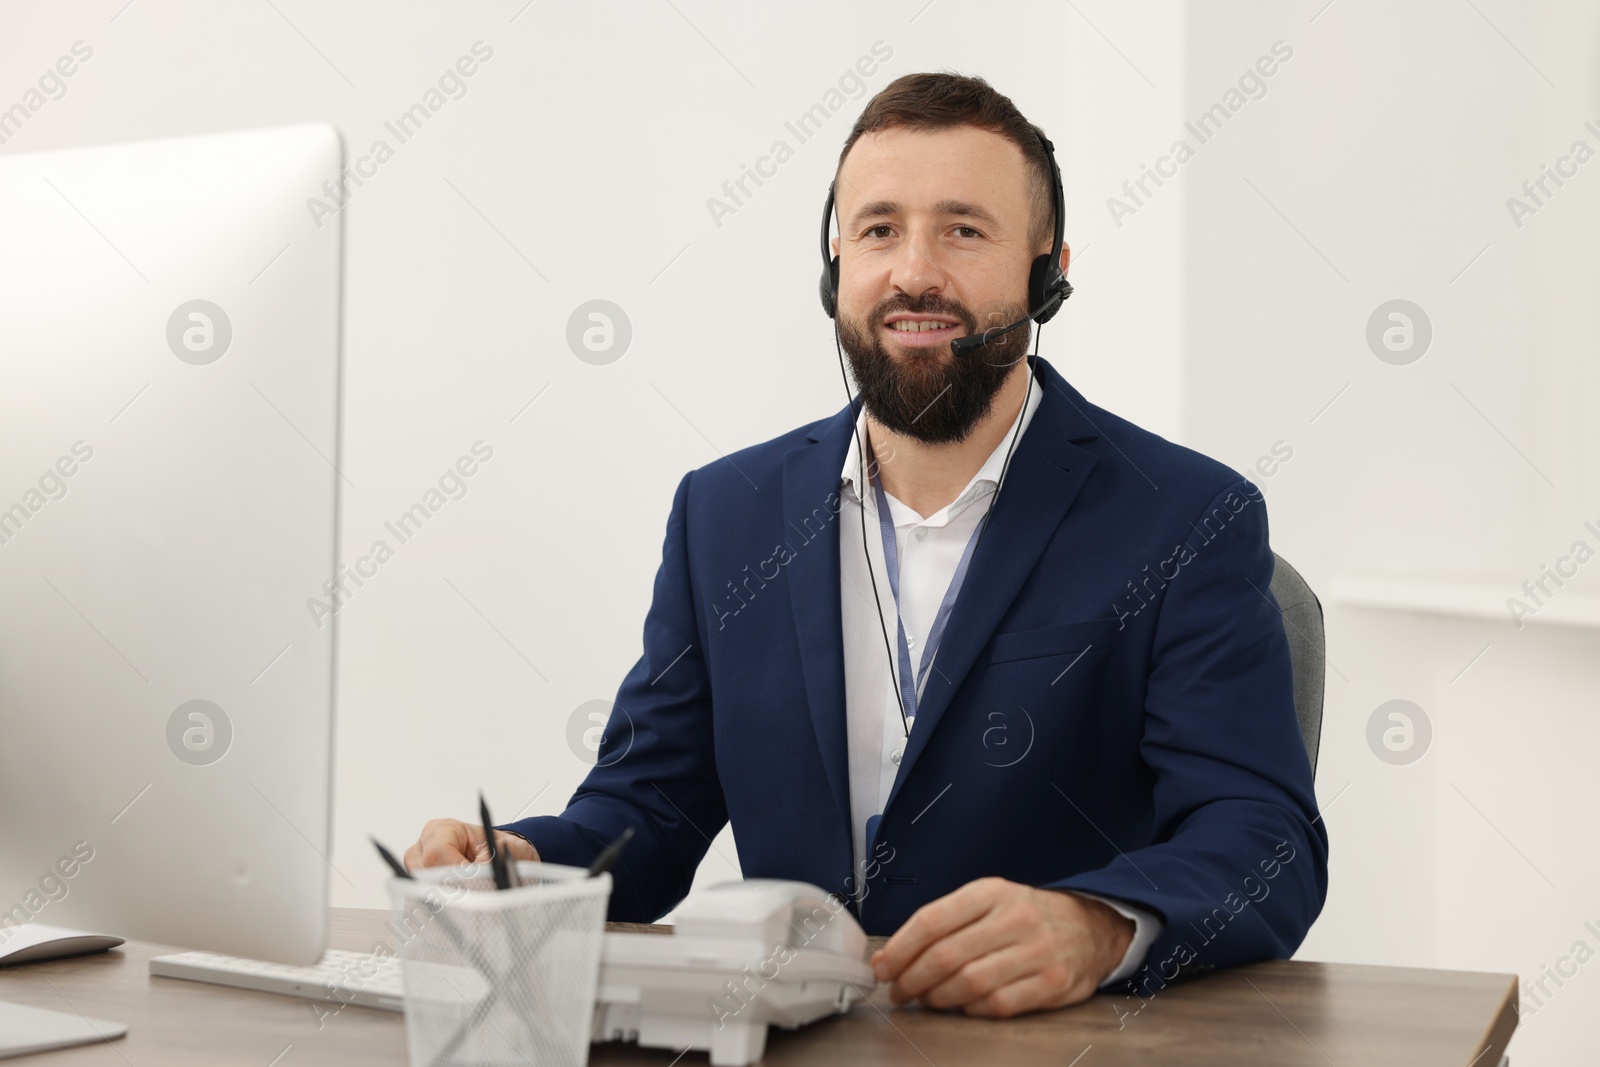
column 1066, row 257
column 834, row 243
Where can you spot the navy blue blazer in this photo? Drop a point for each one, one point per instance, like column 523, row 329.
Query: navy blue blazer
column 1111, row 710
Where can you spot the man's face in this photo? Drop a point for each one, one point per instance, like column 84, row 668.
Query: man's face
column 933, row 245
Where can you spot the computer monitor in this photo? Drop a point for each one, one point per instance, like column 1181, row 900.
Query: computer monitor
column 170, row 477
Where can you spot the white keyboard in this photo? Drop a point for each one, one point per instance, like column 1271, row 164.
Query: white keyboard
column 342, row 976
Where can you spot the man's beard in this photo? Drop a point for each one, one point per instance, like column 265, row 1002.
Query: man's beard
column 928, row 393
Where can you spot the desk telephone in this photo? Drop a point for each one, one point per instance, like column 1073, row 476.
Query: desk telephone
column 743, row 955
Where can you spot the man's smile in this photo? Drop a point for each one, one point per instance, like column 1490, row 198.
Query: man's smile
column 922, row 331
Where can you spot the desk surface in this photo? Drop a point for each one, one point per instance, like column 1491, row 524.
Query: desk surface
column 1281, row 1013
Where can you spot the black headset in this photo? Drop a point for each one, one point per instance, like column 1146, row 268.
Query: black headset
column 1048, row 287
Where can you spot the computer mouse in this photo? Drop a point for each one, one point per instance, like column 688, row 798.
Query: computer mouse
column 30, row 942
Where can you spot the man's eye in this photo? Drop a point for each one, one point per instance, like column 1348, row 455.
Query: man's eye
column 968, row 231
column 874, row 231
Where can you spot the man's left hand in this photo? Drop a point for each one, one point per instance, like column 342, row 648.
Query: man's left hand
column 999, row 948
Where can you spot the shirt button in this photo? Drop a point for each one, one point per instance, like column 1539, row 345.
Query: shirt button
column 922, row 533
column 911, row 641
column 894, row 757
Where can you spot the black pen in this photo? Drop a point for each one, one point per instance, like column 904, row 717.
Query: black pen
column 497, row 859
column 609, row 855
column 395, row 865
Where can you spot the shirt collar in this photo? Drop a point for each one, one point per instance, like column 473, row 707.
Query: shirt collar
column 984, row 481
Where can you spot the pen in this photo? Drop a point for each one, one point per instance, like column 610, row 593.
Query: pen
column 608, row 855
column 497, row 859
column 395, row 865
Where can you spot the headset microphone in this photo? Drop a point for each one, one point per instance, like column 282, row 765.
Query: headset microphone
column 962, row 346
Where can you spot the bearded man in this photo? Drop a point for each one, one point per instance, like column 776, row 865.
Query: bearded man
column 1046, row 739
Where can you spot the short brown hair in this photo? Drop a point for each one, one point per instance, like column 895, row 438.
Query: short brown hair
column 937, row 101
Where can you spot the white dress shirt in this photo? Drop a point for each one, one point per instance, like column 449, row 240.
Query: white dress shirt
column 929, row 549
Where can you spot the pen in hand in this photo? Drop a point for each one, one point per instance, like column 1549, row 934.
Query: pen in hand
column 395, row 865
column 497, row 859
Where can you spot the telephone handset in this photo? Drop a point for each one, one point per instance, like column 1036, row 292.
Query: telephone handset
column 742, row 955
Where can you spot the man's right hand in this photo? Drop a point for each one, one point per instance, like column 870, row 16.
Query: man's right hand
column 446, row 842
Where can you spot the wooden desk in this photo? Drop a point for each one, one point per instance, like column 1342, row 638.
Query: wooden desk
column 1277, row 1014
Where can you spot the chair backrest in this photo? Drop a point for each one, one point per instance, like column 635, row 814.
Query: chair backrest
column 1302, row 622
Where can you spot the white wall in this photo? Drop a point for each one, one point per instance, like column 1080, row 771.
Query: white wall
column 1378, row 167
column 590, row 142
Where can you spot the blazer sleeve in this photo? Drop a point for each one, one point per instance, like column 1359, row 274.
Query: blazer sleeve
column 655, row 770
column 1238, row 865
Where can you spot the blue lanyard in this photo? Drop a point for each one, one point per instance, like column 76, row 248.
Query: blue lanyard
column 891, row 554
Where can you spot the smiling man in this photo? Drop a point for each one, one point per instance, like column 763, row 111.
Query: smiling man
column 1044, row 737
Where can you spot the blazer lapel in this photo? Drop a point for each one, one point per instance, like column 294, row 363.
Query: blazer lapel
column 810, row 496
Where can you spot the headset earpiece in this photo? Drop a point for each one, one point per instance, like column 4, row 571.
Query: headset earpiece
column 1042, row 293
column 1044, row 280
column 829, row 286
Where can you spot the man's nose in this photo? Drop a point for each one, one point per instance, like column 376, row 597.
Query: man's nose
column 916, row 267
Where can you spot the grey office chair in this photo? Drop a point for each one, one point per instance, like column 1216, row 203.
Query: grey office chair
column 1302, row 622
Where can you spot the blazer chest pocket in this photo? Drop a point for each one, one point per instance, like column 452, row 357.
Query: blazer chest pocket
column 1063, row 639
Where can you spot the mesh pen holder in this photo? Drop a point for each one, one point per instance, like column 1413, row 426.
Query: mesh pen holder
column 500, row 977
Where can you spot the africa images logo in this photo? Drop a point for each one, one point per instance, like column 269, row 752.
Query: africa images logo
column 199, row 332
column 199, row 732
